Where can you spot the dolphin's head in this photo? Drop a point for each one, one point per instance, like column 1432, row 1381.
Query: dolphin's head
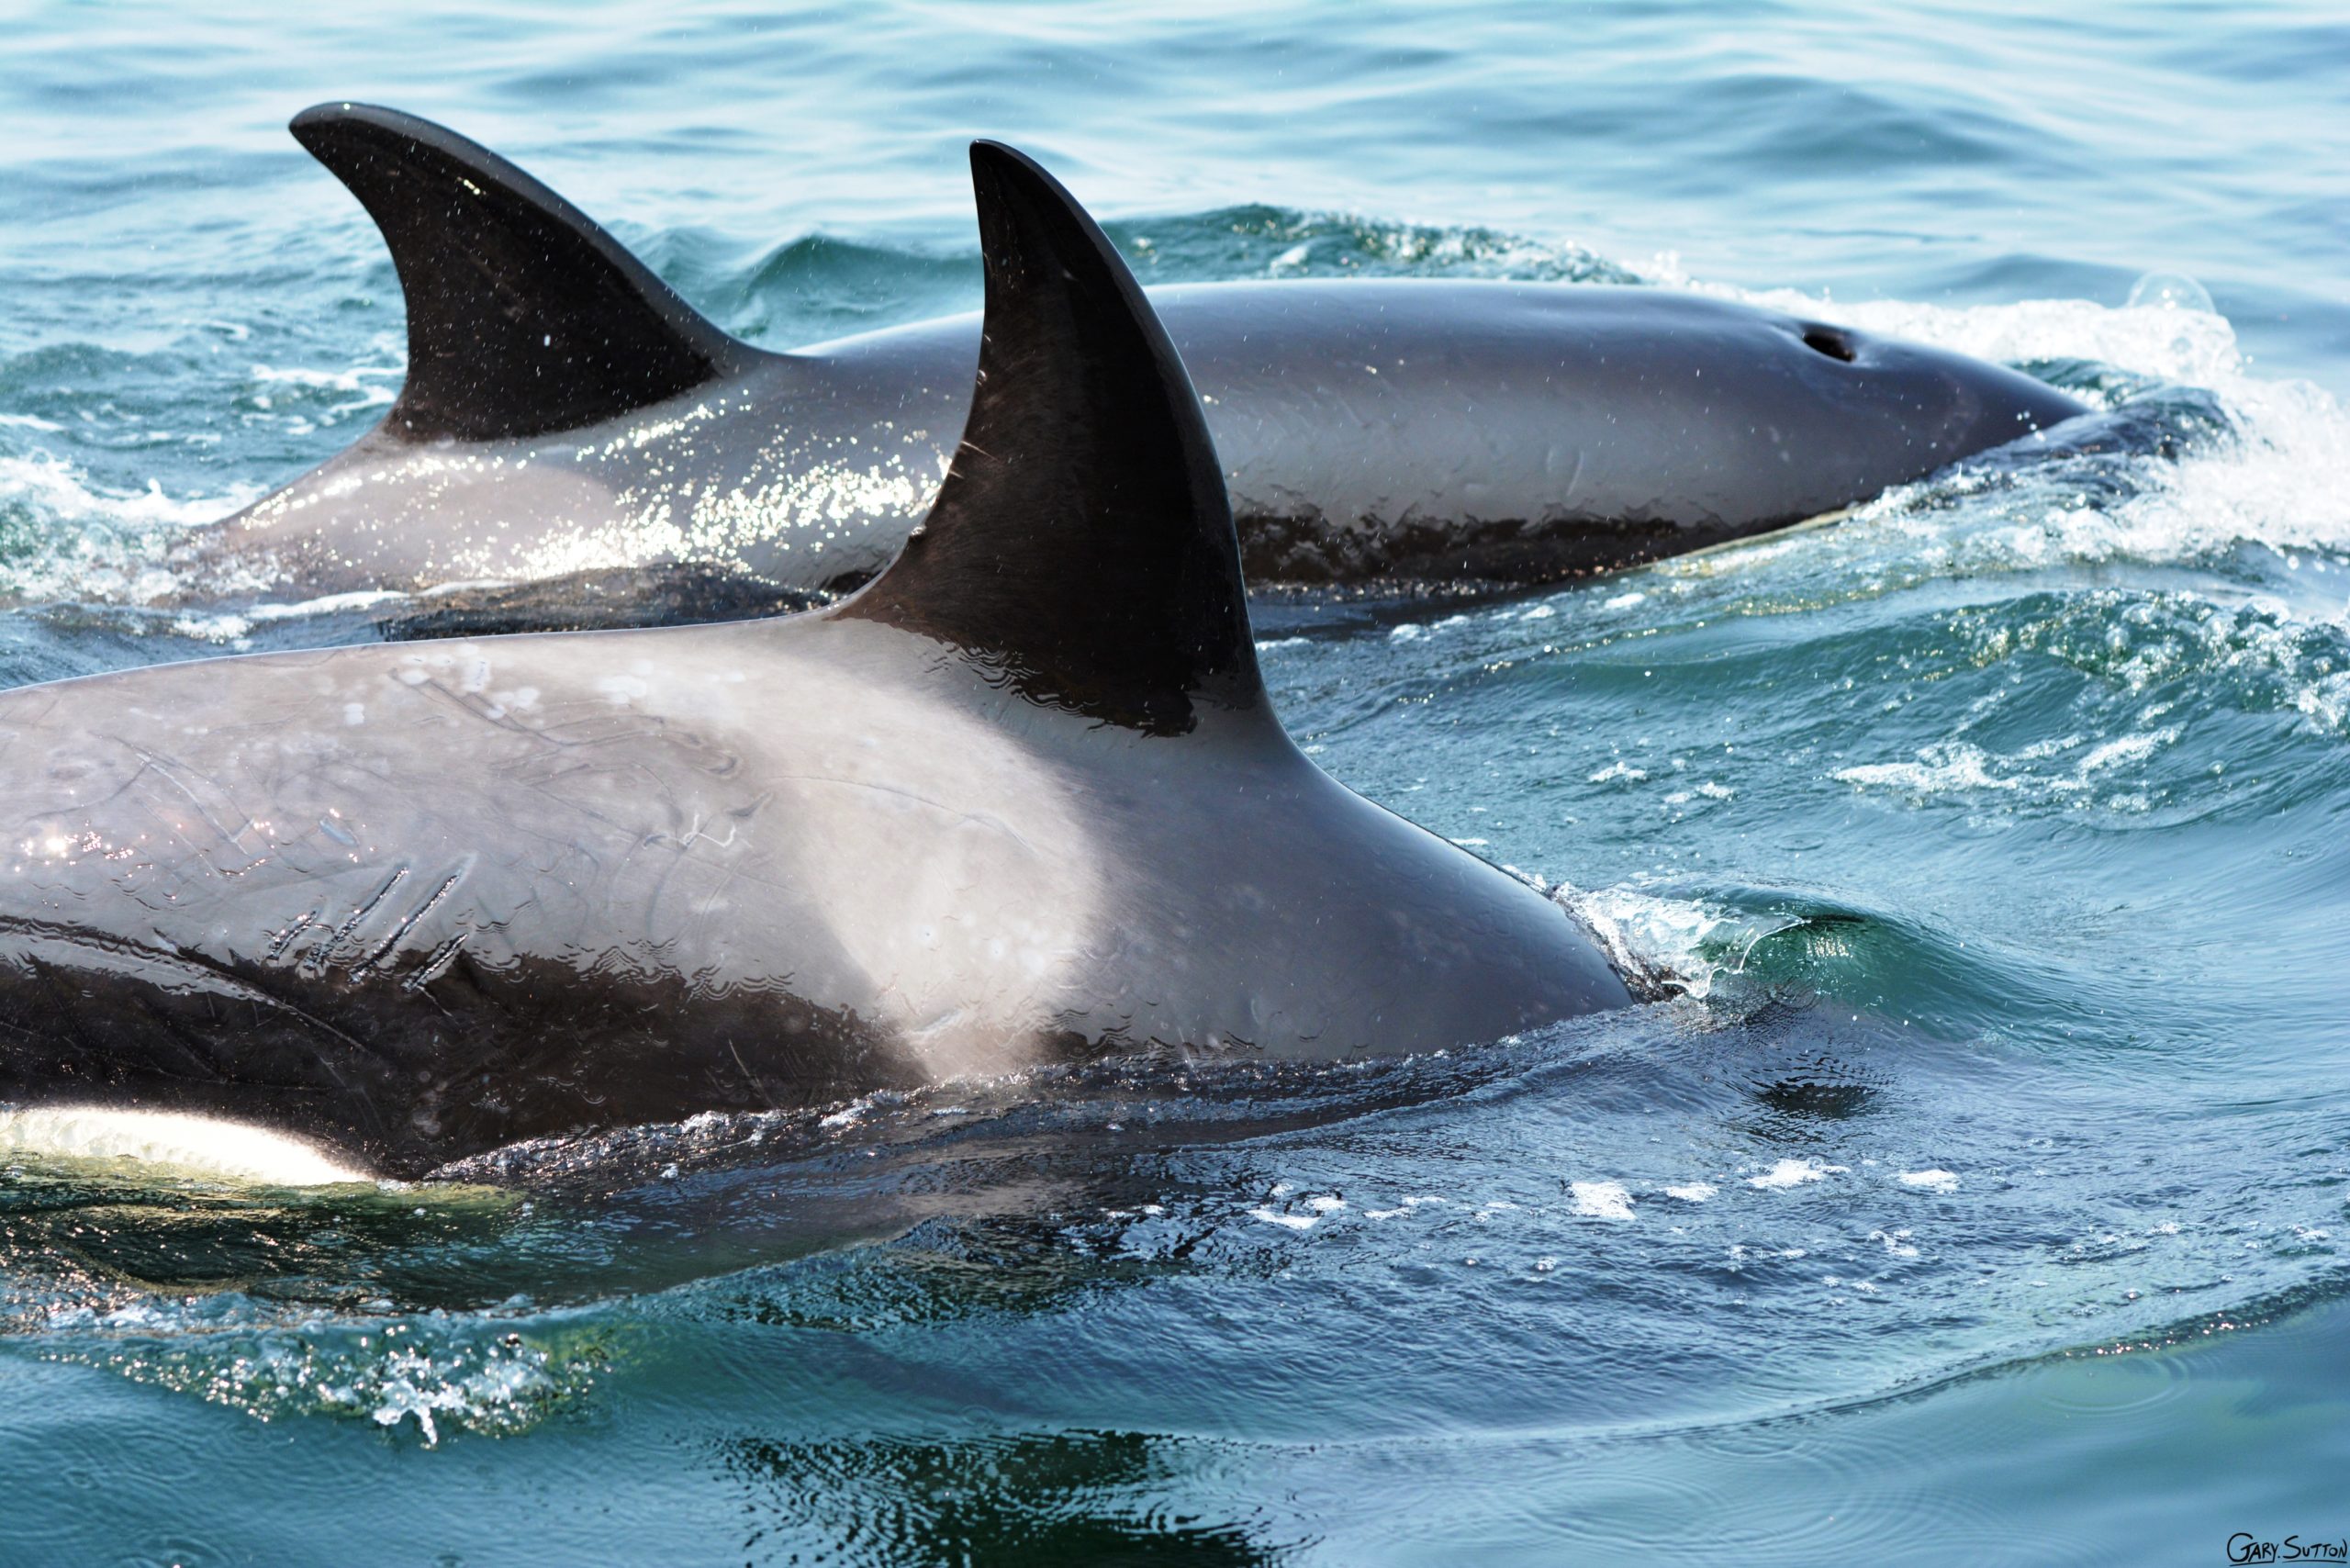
column 1941, row 404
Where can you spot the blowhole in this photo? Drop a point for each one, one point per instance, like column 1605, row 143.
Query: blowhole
column 1833, row 342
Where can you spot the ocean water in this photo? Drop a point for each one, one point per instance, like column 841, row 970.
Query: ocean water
column 1980, row 1195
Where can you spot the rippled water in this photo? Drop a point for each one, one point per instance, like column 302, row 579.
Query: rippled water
column 1980, row 1195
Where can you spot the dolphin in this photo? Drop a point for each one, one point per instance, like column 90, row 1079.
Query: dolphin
column 1022, row 798
column 566, row 414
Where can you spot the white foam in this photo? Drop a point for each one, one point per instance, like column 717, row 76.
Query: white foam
column 176, row 1140
column 1602, row 1199
column 363, row 378
column 2282, row 479
column 1692, row 1192
column 56, row 487
column 100, row 544
column 1896, row 1242
column 366, row 386
column 221, row 627
column 1789, row 1173
column 1958, row 767
column 1412, row 631
column 1942, row 769
column 1933, row 1181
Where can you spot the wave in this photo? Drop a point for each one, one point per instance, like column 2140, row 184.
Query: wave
column 2276, row 474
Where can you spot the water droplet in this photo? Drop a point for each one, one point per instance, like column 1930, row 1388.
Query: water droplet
column 2169, row 291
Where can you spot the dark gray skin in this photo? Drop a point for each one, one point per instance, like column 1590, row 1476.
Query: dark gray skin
column 568, row 413
column 1022, row 800
column 1509, row 433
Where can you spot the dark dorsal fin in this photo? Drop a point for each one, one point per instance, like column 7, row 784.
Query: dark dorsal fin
column 1081, row 541
column 524, row 317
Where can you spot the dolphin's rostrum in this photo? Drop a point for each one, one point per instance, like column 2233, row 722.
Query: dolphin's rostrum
column 566, row 414
column 1024, row 799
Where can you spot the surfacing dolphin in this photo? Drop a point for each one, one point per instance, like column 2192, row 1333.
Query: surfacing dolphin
column 565, row 412
column 1022, row 798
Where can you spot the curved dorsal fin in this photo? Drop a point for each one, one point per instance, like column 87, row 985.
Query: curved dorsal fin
column 1081, row 541
column 524, row 317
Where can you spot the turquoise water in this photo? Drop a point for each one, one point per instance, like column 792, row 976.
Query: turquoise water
column 1981, row 1198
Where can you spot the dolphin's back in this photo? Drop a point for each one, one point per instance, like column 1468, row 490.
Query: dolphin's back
column 1519, row 431
column 566, row 414
column 1022, row 798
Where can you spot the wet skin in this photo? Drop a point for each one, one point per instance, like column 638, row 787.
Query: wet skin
column 565, row 412
column 1022, row 800
column 420, row 902
column 1369, row 430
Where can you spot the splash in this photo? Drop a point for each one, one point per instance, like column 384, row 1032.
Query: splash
column 1669, row 946
column 74, row 540
column 429, row 1375
column 1784, row 1174
column 2281, row 477
column 1601, row 1200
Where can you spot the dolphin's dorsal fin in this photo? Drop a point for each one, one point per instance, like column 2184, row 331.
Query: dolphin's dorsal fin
column 1081, row 542
column 524, row 317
